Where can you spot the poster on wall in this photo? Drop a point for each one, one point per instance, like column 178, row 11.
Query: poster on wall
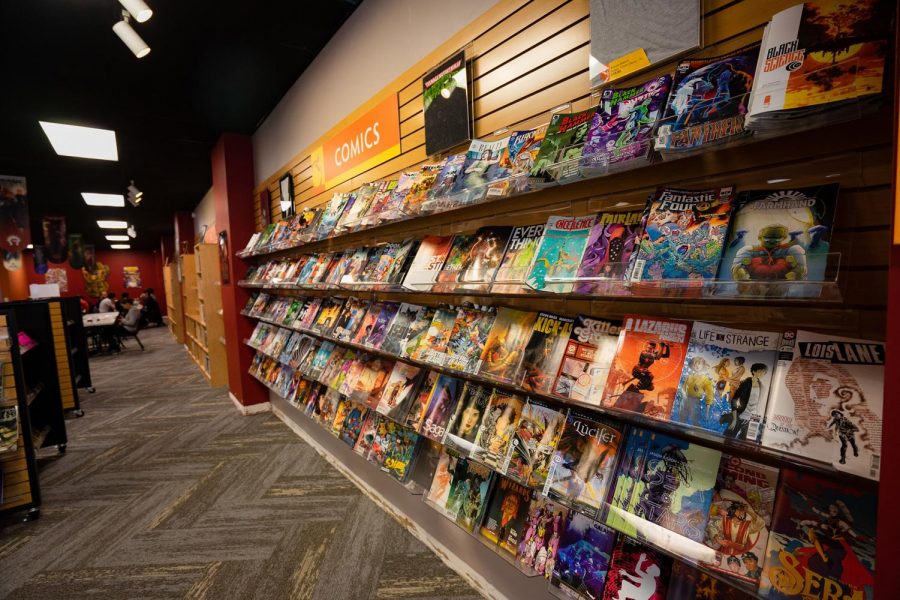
column 89, row 259
column 55, row 242
column 39, row 255
column 131, row 276
column 96, row 282
column 76, row 250
column 15, row 230
column 59, row 277
column 445, row 96
column 12, row 261
column 286, row 189
column 223, row 256
column 265, row 208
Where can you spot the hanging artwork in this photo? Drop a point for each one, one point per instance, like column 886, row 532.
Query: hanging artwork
column 15, row 231
column 95, row 281
column 40, row 259
column 12, row 260
column 265, row 208
column 76, row 251
column 55, row 242
column 223, row 256
column 59, row 277
column 88, row 258
column 131, row 276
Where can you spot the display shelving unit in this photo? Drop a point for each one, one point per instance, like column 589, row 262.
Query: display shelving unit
column 205, row 327
column 174, row 301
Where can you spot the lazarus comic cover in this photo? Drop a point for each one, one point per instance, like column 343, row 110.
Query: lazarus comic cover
column 582, row 466
column 563, row 141
column 684, row 234
column 587, row 358
column 822, row 542
column 544, row 351
column 726, row 380
column 664, row 480
column 462, row 428
column 559, row 254
column 637, row 571
column 647, row 367
column 523, row 243
column 498, row 426
column 506, row 515
column 536, row 437
column 505, row 343
column 537, row 554
column 607, row 254
column 583, row 559
column 826, row 401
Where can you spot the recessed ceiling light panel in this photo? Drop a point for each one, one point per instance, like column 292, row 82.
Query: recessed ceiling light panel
column 92, row 199
column 112, row 224
column 120, row 246
column 117, row 238
column 81, row 142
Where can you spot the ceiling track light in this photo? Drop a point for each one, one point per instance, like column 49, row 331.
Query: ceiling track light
column 134, row 195
column 130, row 37
column 138, row 9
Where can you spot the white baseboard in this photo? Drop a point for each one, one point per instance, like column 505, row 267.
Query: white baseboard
column 253, row 409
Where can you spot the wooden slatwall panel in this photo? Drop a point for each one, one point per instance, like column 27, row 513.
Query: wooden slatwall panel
column 62, row 358
column 16, row 482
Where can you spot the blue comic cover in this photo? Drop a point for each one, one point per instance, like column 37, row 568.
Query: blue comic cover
column 684, row 234
column 559, row 253
column 582, row 561
column 664, row 480
column 726, row 380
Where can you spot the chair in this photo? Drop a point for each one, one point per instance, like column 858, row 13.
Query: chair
column 124, row 333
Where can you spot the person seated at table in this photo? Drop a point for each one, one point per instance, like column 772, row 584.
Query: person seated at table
column 120, row 305
column 152, row 314
column 132, row 318
column 108, row 304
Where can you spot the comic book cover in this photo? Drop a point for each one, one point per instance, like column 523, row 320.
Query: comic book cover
column 520, row 252
column 481, row 166
column 338, row 267
column 308, row 357
column 708, row 101
column 726, row 380
column 403, row 258
column 433, row 347
column 418, row 193
column 451, row 468
column 607, row 254
column 383, row 192
column 497, row 429
column 822, row 541
column 352, row 425
column 479, row 266
column 740, row 515
column 667, row 481
column 647, row 366
column 428, row 262
column 524, row 160
column 505, row 344
column 471, row 494
column 355, row 268
column 455, row 262
column 537, row 553
column 582, row 465
column 328, row 313
column 340, row 415
column 353, row 213
column 415, row 417
column 441, row 402
column 381, row 263
column 366, row 436
column 334, row 365
column 367, row 324
column 587, row 359
column 417, row 331
column 307, row 315
column 393, row 206
column 826, row 401
column 637, row 571
column 687, row 581
column 516, row 142
column 559, row 254
column 393, row 447
column 328, row 408
column 583, row 558
column 534, row 442
column 424, row 466
column 330, row 215
column 779, row 236
column 684, row 234
column 622, row 128
column 399, row 329
column 319, row 362
column 399, row 391
column 370, row 382
column 349, row 319
column 563, row 141
column 382, row 323
column 544, row 351
column 467, row 339
column 345, row 377
column 506, row 515
column 446, row 179
column 462, row 428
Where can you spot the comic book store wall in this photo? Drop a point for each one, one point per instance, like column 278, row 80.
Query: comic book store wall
column 595, row 299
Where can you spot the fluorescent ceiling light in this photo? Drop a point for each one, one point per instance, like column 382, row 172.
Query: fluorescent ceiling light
column 120, row 246
column 112, row 224
column 138, row 9
column 131, row 38
column 92, row 199
column 81, row 142
column 117, row 238
column 778, row 180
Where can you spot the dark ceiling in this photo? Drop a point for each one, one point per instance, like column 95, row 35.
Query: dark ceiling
column 215, row 66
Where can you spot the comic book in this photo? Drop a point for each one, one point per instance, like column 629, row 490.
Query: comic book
column 607, row 254
column 559, row 254
column 410, row 343
column 467, row 339
column 583, row 559
column 520, row 251
column 684, row 235
column 366, row 436
column 424, row 466
column 647, row 367
column 582, row 466
column 740, row 515
column 328, row 314
column 399, row 391
column 534, row 443
column 330, row 215
column 451, row 469
column 483, row 258
column 471, row 494
column 708, row 101
column 399, row 329
column 367, row 324
column 562, row 143
column 333, row 366
column 537, row 553
column 307, row 315
column 415, row 200
column 446, row 179
column 428, row 262
column 406, row 252
column 328, row 408
column 392, row 207
column 587, row 359
column 354, row 269
column 779, row 236
column 393, row 448
column 506, row 515
column 382, row 263
column 687, row 581
column 726, row 380
column 544, row 351
column 323, row 355
column 352, row 425
column 505, row 344
column 415, row 416
column 441, row 403
column 509, row 163
column 9, row 429
column 826, row 401
column 637, row 571
column 622, row 128
column 351, row 218
column 370, row 380
column 462, row 428
column 497, row 430
column 664, row 480
column 433, row 347
column 456, row 261
column 340, row 415
column 382, row 323
column 822, row 540
column 480, row 167
column 349, row 319
column 383, row 192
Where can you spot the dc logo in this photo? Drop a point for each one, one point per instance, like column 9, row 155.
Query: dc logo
column 557, row 459
column 793, row 66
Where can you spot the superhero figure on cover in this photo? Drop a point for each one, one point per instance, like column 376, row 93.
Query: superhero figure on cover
column 664, row 475
column 737, row 529
column 775, row 258
column 828, row 538
column 641, row 372
column 846, row 432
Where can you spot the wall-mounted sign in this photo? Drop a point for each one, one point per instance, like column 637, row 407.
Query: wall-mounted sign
column 367, row 142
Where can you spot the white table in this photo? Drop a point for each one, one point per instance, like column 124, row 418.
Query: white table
column 100, row 319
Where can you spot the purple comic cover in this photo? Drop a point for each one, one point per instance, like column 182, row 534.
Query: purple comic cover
column 624, row 122
column 610, row 245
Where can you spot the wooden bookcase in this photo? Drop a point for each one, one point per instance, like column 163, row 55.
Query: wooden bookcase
column 174, row 302
column 204, row 329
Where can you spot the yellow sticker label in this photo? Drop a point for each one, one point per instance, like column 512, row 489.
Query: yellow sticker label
column 625, row 65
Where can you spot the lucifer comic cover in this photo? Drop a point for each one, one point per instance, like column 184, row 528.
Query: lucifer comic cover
column 582, row 466
column 351, row 315
column 505, row 344
column 534, row 442
column 726, row 380
column 455, row 262
column 506, row 515
column 583, row 558
column 481, row 166
column 441, row 402
column 433, row 346
column 520, row 251
column 427, row 264
column 446, row 179
column 471, row 494
column 393, row 447
column 563, row 141
column 559, row 254
column 418, row 193
column 740, row 516
column 666, row 481
column 607, row 254
column 415, row 416
column 684, row 234
column 587, row 359
column 352, row 425
column 367, row 324
column 497, row 429
column 822, row 541
column 690, row 582
column 467, row 339
column 328, row 314
column 779, row 236
column 637, row 571
column 646, row 370
column 537, row 552
column 827, row 401
column 463, row 425
column 399, row 391
column 381, row 324
column 366, row 436
column 480, row 264
column 544, row 351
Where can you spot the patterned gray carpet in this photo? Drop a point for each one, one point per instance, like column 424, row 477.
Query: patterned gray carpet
column 167, row 492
